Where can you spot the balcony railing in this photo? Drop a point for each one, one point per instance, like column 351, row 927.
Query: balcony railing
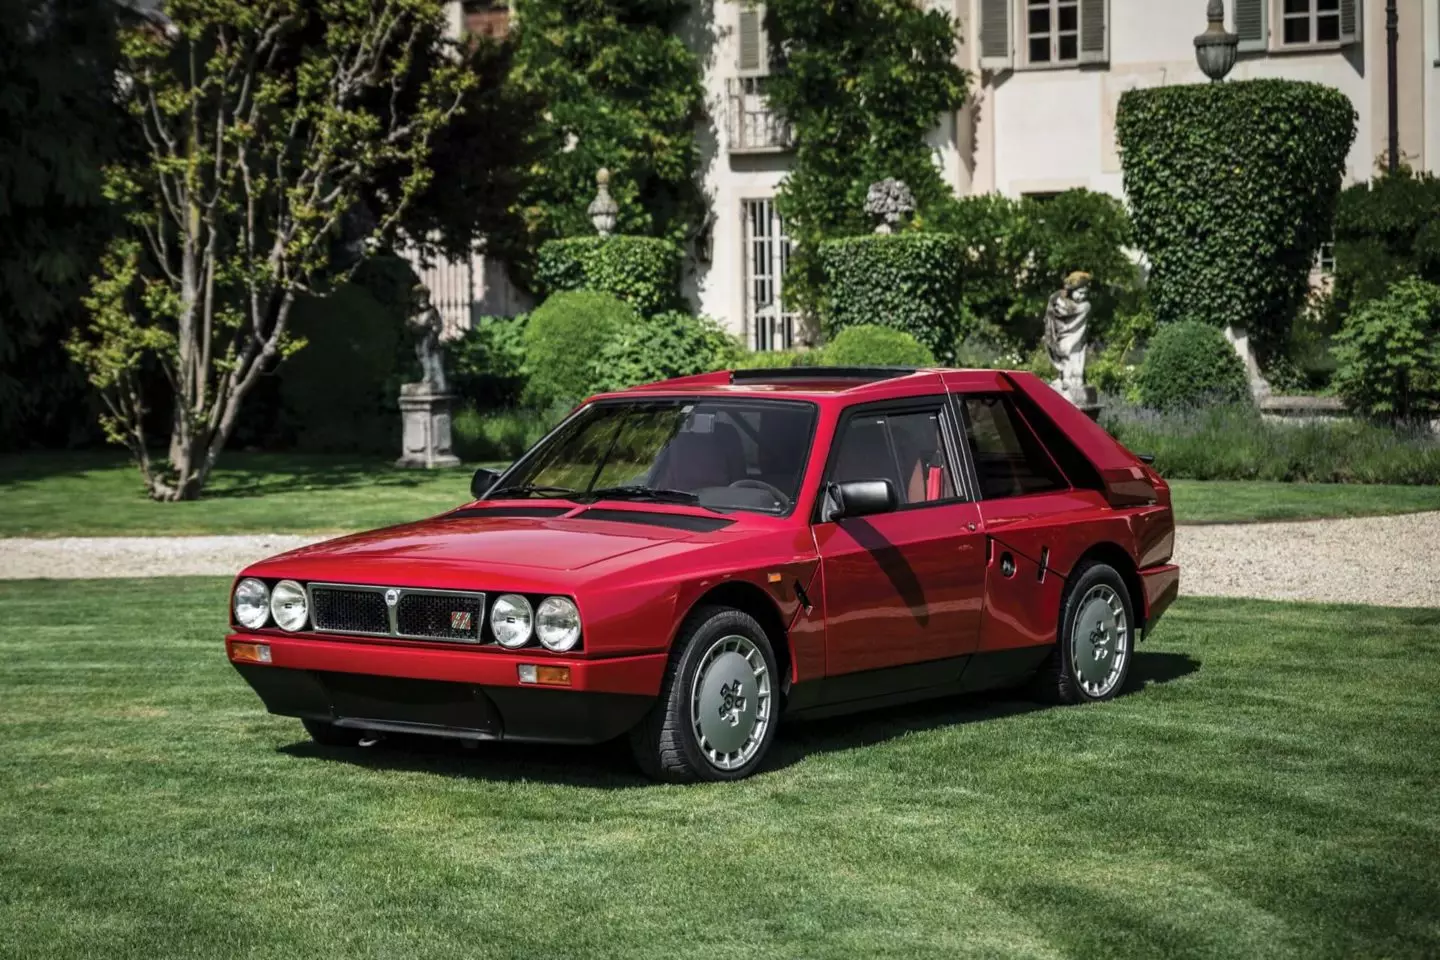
column 752, row 126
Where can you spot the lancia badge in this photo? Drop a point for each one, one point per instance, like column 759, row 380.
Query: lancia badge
column 392, row 597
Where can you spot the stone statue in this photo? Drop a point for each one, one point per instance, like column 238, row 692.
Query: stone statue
column 1066, row 317
column 426, row 321
column 891, row 201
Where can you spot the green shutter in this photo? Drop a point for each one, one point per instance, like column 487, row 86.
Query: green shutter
column 1252, row 23
column 1094, row 31
column 995, row 50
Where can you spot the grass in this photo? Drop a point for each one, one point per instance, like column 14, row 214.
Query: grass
column 98, row 494
column 1264, row 789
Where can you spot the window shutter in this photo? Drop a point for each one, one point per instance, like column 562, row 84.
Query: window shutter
column 1252, row 23
column 995, row 49
column 1094, row 31
column 1349, row 21
column 754, row 58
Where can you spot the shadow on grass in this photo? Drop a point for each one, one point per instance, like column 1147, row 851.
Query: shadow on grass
column 609, row 766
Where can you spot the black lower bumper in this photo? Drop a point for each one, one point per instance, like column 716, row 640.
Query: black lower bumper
column 442, row 708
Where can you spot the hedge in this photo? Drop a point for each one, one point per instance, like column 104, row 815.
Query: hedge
column 1388, row 355
column 1386, row 230
column 642, row 271
column 563, row 340
column 870, row 345
column 1191, row 364
column 1232, row 188
column 907, row 281
column 673, row 344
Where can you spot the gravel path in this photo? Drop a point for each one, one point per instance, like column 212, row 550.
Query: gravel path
column 1389, row 561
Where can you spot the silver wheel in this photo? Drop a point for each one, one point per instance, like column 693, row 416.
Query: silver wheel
column 1100, row 641
column 730, row 702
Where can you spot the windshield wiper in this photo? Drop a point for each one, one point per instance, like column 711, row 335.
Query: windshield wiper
column 638, row 492
column 530, row 489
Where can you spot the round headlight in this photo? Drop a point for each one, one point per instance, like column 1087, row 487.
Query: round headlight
column 557, row 624
column 511, row 620
column 252, row 603
column 288, row 606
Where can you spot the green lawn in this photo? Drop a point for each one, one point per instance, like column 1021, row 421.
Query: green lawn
column 98, row 494
column 1265, row 789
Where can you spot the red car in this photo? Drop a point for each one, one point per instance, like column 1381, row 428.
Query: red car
column 686, row 562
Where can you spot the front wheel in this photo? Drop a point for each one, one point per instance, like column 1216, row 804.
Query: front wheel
column 1096, row 639
column 716, row 714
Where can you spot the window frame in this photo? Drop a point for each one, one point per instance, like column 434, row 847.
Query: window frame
column 782, row 248
column 1311, row 17
column 1053, row 34
column 962, row 417
column 956, row 452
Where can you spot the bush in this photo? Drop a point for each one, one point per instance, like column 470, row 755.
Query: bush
column 1386, row 230
column 871, row 345
column 1189, row 364
column 1112, row 368
column 1234, row 443
column 672, row 344
column 564, row 337
column 1388, row 355
column 1232, row 187
column 486, row 365
column 642, row 271
column 500, row 436
column 779, row 359
column 907, row 281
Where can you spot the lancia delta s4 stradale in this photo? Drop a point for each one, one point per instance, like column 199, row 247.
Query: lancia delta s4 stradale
column 688, row 562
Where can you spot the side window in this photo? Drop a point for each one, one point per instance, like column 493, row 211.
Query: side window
column 1009, row 460
column 908, row 449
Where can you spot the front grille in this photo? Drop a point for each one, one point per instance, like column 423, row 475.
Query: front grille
column 341, row 609
column 440, row 615
column 414, row 614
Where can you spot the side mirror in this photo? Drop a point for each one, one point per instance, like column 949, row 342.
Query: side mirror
column 859, row 498
column 481, row 483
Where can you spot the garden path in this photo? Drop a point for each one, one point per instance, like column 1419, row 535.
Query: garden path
column 1389, row 561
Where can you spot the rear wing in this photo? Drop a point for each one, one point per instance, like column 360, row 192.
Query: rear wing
column 1122, row 476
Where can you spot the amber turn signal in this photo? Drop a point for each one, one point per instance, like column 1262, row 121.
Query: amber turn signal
column 250, row 652
column 547, row 675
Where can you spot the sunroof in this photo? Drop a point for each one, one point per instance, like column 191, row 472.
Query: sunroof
column 822, row 373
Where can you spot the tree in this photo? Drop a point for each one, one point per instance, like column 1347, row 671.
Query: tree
column 58, row 126
column 621, row 90
column 862, row 83
column 263, row 122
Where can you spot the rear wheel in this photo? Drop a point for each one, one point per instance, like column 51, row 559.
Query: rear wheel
column 1096, row 639
column 327, row 734
column 716, row 715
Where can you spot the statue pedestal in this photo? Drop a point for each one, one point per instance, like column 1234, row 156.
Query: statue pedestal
column 425, row 437
column 1083, row 396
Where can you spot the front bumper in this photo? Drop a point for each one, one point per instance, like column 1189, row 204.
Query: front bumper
column 465, row 693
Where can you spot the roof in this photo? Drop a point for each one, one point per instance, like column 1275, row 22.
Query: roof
column 800, row 382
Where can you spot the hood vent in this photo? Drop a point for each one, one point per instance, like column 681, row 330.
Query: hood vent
column 514, row 511
column 672, row 521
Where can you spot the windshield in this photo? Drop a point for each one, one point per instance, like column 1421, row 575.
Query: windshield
column 729, row 454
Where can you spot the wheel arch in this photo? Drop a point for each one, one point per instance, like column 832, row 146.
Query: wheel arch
column 1116, row 556
column 748, row 598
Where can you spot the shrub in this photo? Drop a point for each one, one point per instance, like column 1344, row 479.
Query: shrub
column 1234, row 443
column 563, row 339
column 1232, row 187
column 487, row 364
column 500, row 436
column 642, row 271
column 1189, row 364
column 1388, row 354
column 1386, row 230
column 672, row 344
column 1112, row 368
column 871, row 345
column 779, row 359
column 907, row 281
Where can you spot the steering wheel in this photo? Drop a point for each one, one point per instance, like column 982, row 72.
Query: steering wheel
column 751, row 484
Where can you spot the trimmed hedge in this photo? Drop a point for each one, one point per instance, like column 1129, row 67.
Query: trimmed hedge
column 564, row 337
column 870, row 345
column 673, row 344
column 642, row 271
column 1191, row 364
column 1232, row 188
column 1388, row 355
column 906, row 281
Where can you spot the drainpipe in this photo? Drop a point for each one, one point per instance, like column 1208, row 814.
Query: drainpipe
column 1392, row 40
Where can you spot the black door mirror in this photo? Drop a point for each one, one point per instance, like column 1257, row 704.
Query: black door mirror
column 859, row 498
column 481, row 483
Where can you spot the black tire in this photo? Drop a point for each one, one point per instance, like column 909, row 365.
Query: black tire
column 1058, row 680
column 664, row 743
column 327, row 734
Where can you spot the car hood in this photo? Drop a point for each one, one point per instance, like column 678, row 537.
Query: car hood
column 461, row 543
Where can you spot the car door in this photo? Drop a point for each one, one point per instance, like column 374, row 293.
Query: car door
column 903, row 587
column 1024, row 496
